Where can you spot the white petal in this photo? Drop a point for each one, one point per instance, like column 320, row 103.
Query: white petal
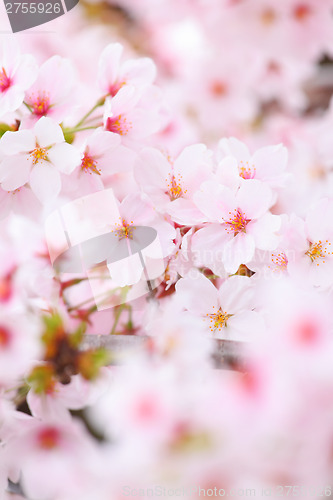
column 198, row 294
column 48, row 132
column 64, row 157
column 14, row 172
column 239, row 250
column 12, row 143
column 45, row 182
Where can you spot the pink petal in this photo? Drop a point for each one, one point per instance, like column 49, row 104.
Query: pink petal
column 236, row 294
column 198, row 294
column 238, row 250
column 254, row 198
column 65, row 157
column 264, row 231
column 108, row 65
column 151, row 170
column 270, row 161
column 234, row 147
column 138, row 72
column 102, row 141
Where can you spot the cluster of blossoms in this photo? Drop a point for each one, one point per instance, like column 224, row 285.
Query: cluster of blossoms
column 232, row 170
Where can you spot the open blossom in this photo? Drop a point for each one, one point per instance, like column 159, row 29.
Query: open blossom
column 227, row 312
column 313, row 260
column 133, row 115
column 267, row 164
column 239, row 223
column 112, row 75
column 52, row 93
column 171, row 184
column 17, row 73
column 37, row 156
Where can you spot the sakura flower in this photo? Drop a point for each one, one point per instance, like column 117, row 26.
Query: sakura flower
column 172, row 184
column 37, row 156
column 132, row 115
column 52, row 93
column 267, row 164
column 313, row 254
column 136, row 212
column 17, row 73
column 112, row 75
column 227, row 312
column 240, row 223
column 54, row 457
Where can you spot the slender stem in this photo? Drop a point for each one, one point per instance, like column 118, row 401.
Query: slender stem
column 117, row 317
column 99, row 103
column 27, row 105
column 74, row 129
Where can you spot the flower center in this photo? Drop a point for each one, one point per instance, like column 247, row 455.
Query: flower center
column 124, row 230
column 218, row 320
column 38, row 154
column 88, row 164
column 113, row 89
column 41, row 104
column 318, row 251
column 5, row 81
column 5, row 337
column 237, row 222
column 268, row 16
column 174, row 189
column 301, row 12
column 218, row 88
column 118, row 125
column 280, row 260
column 48, row 438
column 246, row 171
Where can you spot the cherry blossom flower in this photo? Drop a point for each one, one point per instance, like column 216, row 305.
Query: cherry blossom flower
column 112, row 75
column 314, row 259
column 240, row 223
column 37, row 156
column 227, row 312
column 133, row 115
column 172, row 184
column 52, row 93
column 17, row 73
column 267, row 164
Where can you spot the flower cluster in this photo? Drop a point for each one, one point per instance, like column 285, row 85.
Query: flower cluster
column 229, row 165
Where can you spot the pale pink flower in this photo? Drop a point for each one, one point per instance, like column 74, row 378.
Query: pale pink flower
column 54, row 457
column 227, row 312
column 240, row 223
column 313, row 262
column 171, row 184
column 112, row 75
column 37, row 156
column 134, row 115
column 53, row 93
column 267, row 164
column 17, row 73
